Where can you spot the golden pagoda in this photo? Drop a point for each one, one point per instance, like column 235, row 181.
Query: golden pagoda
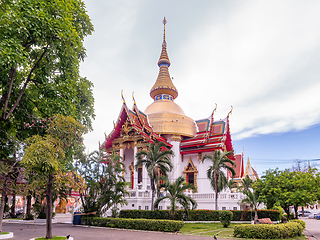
column 165, row 116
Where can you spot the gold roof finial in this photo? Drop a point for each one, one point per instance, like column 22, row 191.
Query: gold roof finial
column 230, row 111
column 124, row 101
column 134, row 101
column 163, row 84
column 164, row 31
column 215, row 109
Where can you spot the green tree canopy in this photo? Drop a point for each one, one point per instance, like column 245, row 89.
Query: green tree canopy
column 41, row 45
column 288, row 188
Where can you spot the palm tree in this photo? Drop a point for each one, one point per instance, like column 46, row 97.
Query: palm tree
column 156, row 160
column 215, row 174
column 245, row 184
column 176, row 195
column 252, row 198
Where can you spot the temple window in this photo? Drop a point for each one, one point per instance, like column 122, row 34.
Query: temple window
column 190, row 172
column 140, row 175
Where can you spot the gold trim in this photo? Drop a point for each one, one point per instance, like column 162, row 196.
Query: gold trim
column 176, row 138
column 194, row 171
column 199, row 157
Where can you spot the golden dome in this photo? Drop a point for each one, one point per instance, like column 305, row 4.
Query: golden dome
column 162, row 106
column 166, row 117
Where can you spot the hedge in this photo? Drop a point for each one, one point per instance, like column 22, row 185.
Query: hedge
column 303, row 223
column 138, row 224
column 268, row 231
column 198, row 215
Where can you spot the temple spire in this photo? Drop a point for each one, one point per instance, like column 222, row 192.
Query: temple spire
column 163, row 85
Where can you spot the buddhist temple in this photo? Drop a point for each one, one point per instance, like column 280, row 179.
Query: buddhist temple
column 165, row 121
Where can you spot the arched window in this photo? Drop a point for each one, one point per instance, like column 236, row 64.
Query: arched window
column 191, row 172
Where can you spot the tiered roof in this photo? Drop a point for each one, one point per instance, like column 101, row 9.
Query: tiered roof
column 212, row 135
column 250, row 172
column 138, row 121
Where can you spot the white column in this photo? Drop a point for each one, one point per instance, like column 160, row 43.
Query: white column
column 135, row 176
column 176, row 160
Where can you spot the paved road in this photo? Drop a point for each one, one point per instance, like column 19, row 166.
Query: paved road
column 312, row 228
column 27, row 231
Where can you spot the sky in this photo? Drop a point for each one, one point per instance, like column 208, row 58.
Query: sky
column 261, row 57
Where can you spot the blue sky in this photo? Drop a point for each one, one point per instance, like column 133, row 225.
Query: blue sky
column 282, row 150
column 261, row 57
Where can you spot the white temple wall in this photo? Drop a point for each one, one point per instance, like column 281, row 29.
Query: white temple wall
column 128, row 159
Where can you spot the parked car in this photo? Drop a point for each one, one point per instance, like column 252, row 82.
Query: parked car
column 306, row 213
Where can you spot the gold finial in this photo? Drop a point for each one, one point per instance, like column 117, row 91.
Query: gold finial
column 164, row 32
column 124, row 101
column 134, row 101
column 230, row 110
column 215, row 109
column 114, row 124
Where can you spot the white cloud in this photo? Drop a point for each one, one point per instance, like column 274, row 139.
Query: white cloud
column 261, row 57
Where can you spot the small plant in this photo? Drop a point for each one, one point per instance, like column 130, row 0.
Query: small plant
column 225, row 218
column 29, row 217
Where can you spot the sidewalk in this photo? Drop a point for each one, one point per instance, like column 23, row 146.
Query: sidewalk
column 27, row 231
column 312, row 230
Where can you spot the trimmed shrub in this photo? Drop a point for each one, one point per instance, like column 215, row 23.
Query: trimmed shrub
column 197, row 215
column 29, row 217
column 138, row 224
column 303, row 224
column 268, row 231
column 225, row 218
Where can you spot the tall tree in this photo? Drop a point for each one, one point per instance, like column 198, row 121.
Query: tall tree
column 175, row 194
column 156, row 160
column 52, row 153
column 41, row 45
column 215, row 173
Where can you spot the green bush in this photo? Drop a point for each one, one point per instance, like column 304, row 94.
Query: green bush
column 303, row 224
column 29, row 217
column 197, row 215
column 280, row 211
column 225, row 218
column 138, row 224
column 269, row 231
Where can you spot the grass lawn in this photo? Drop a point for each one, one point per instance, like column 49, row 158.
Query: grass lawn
column 4, row 233
column 54, row 237
column 211, row 229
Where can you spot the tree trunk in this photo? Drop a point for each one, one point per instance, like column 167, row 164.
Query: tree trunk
column 3, row 200
column 287, row 210
column 29, row 204
column 255, row 216
column 49, row 234
column 153, row 193
column 296, row 211
column 216, row 188
column 13, row 206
